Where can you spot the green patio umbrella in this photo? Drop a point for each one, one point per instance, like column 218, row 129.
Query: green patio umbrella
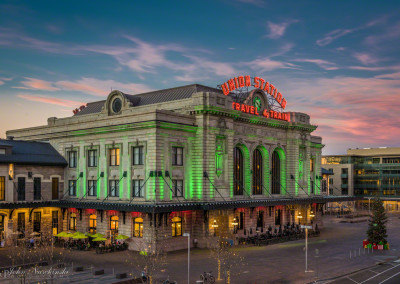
column 81, row 236
column 69, row 235
column 121, row 237
column 88, row 234
column 99, row 239
column 98, row 235
column 62, row 234
column 77, row 233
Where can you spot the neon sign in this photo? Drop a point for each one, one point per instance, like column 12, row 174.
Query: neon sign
column 257, row 82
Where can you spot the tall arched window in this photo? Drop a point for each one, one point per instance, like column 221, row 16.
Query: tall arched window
column 114, row 224
column 276, row 173
column 92, row 224
column 257, row 172
column 176, row 226
column 238, row 177
column 138, row 227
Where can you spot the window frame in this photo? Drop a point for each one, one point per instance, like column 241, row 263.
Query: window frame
column 140, row 227
column 37, row 222
column 135, row 183
column 72, row 217
column 37, row 188
column 138, row 158
column 92, row 159
column 21, row 194
column 116, row 189
column 174, row 224
column 2, row 188
column 73, row 182
column 175, row 155
column 114, row 154
column 176, row 187
column 92, row 223
column 72, row 159
column 94, row 189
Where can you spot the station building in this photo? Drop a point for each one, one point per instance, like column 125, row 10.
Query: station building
column 191, row 159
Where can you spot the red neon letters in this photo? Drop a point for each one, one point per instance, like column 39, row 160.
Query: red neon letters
column 268, row 114
column 258, row 82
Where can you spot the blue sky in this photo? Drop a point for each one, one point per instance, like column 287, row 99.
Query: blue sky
column 338, row 61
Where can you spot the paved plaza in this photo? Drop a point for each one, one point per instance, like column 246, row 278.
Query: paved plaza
column 329, row 257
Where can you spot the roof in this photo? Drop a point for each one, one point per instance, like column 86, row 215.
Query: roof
column 31, row 153
column 326, row 172
column 154, row 97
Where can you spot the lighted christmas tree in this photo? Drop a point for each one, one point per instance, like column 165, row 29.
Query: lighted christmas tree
column 377, row 224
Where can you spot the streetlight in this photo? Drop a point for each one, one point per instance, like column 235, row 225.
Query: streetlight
column 306, row 227
column 188, row 236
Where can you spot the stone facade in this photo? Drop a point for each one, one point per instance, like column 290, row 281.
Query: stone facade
column 207, row 129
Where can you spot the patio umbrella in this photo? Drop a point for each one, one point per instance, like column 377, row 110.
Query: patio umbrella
column 62, row 234
column 81, row 236
column 69, row 235
column 77, row 233
column 99, row 239
column 35, row 234
column 88, row 234
column 98, row 235
column 121, row 237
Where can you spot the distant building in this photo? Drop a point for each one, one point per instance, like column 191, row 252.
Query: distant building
column 367, row 172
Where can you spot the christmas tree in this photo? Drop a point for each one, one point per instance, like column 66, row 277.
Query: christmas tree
column 377, row 224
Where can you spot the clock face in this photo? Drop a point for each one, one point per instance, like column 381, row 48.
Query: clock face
column 116, row 105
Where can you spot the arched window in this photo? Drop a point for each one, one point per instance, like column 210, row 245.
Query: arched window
column 72, row 221
column 176, row 226
column 238, row 169
column 276, row 173
column 257, row 172
column 114, row 224
column 138, row 227
column 92, row 224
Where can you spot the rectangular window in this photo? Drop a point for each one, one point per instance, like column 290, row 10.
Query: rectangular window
column 260, row 219
column 177, row 187
column 277, row 217
column 2, row 151
column 312, row 187
column 21, row 189
column 137, row 155
column 311, row 165
column 54, row 222
column 21, row 223
column 345, row 170
column 114, row 157
column 37, row 218
column 72, row 221
column 37, row 188
column 54, row 188
column 72, row 159
column 72, row 187
column 241, row 220
column 137, row 187
column 92, row 187
column 92, row 158
column 177, row 156
column 114, row 188
column 2, row 188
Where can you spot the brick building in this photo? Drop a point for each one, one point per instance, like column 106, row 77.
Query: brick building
column 31, row 177
column 188, row 159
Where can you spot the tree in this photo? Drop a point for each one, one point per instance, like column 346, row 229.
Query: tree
column 377, row 224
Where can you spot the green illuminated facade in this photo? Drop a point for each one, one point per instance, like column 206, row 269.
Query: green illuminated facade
column 184, row 152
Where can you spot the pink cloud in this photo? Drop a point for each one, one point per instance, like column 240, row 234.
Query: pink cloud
column 320, row 62
column 277, row 30
column 366, row 58
column 37, row 84
column 49, row 100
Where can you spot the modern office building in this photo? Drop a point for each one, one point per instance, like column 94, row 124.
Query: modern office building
column 188, row 159
column 368, row 172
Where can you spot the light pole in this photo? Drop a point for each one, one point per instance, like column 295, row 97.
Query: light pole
column 188, row 236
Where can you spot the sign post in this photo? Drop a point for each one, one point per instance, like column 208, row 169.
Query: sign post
column 188, row 236
column 306, row 248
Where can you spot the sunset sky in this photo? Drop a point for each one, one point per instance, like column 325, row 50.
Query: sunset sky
column 338, row 61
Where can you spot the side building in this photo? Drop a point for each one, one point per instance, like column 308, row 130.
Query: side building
column 188, row 159
column 31, row 177
column 368, row 173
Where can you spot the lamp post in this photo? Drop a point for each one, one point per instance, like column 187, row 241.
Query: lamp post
column 188, row 236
